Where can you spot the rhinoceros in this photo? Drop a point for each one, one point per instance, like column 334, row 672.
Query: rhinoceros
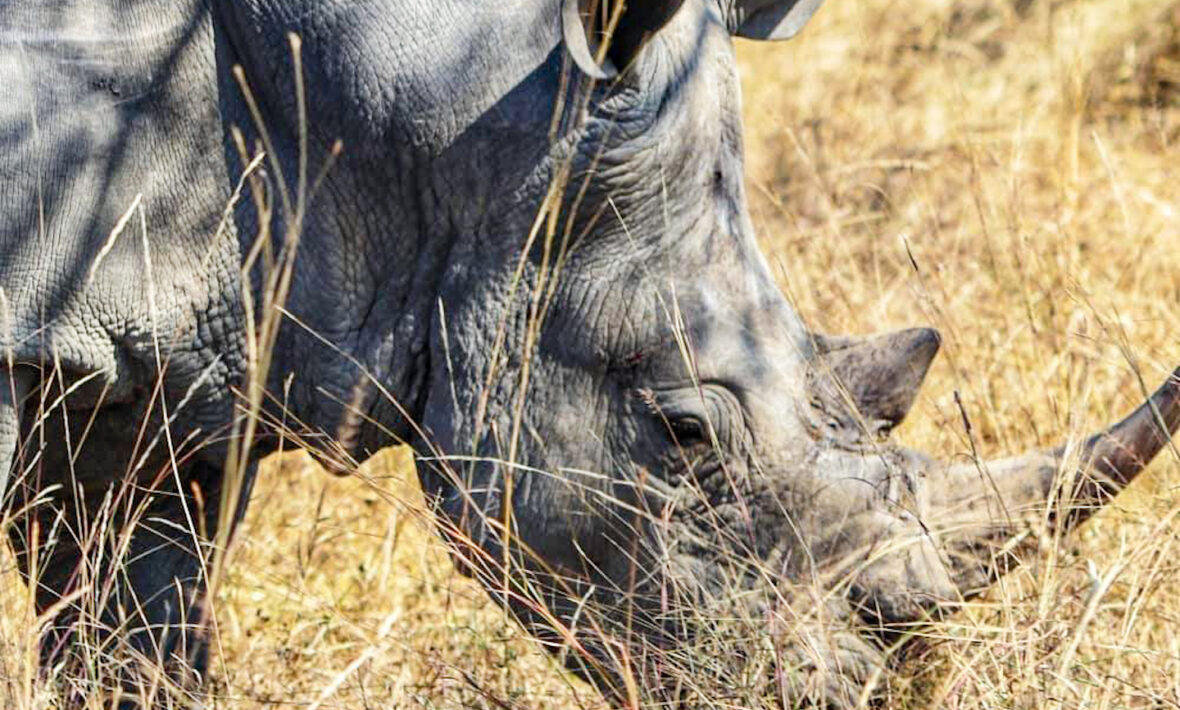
column 523, row 247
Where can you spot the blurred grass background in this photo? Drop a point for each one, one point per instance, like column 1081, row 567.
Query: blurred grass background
column 1007, row 171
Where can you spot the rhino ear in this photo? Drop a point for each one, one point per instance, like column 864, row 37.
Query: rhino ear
column 879, row 375
column 771, row 19
column 586, row 25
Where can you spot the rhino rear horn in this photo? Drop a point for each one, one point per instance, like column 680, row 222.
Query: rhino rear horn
column 879, row 375
column 622, row 26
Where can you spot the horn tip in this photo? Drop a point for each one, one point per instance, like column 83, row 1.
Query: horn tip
column 929, row 338
column 1169, row 395
column 923, row 345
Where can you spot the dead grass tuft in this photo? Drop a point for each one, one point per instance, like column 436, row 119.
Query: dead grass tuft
column 1005, row 170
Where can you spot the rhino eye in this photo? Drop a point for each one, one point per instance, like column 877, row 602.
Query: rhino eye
column 687, row 431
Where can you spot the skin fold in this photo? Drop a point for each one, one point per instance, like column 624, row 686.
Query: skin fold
column 524, row 249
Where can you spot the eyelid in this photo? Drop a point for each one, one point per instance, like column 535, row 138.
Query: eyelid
column 713, row 404
column 687, row 427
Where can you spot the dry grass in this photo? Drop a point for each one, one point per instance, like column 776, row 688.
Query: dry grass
column 1008, row 172
column 341, row 584
column 1005, row 170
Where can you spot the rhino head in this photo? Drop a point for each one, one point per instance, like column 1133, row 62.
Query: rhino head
column 648, row 441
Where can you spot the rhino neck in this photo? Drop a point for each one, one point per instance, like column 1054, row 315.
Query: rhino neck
column 426, row 208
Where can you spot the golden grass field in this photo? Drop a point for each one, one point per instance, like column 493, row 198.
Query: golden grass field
column 1007, row 171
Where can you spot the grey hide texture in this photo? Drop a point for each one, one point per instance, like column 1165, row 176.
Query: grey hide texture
column 622, row 370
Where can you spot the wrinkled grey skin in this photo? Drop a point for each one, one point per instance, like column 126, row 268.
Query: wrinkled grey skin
column 682, row 431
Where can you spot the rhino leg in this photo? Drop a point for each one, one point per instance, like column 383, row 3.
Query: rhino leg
column 118, row 553
column 15, row 386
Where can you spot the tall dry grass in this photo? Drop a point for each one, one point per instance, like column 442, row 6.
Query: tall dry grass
column 1005, row 170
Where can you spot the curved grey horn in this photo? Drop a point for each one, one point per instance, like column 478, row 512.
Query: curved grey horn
column 978, row 509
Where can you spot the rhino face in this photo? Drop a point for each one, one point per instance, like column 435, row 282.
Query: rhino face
column 668, row 439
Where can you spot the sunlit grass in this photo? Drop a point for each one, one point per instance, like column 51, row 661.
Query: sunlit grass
column 1004, row 170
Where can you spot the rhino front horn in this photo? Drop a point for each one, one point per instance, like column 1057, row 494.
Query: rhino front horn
column 979, row 508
